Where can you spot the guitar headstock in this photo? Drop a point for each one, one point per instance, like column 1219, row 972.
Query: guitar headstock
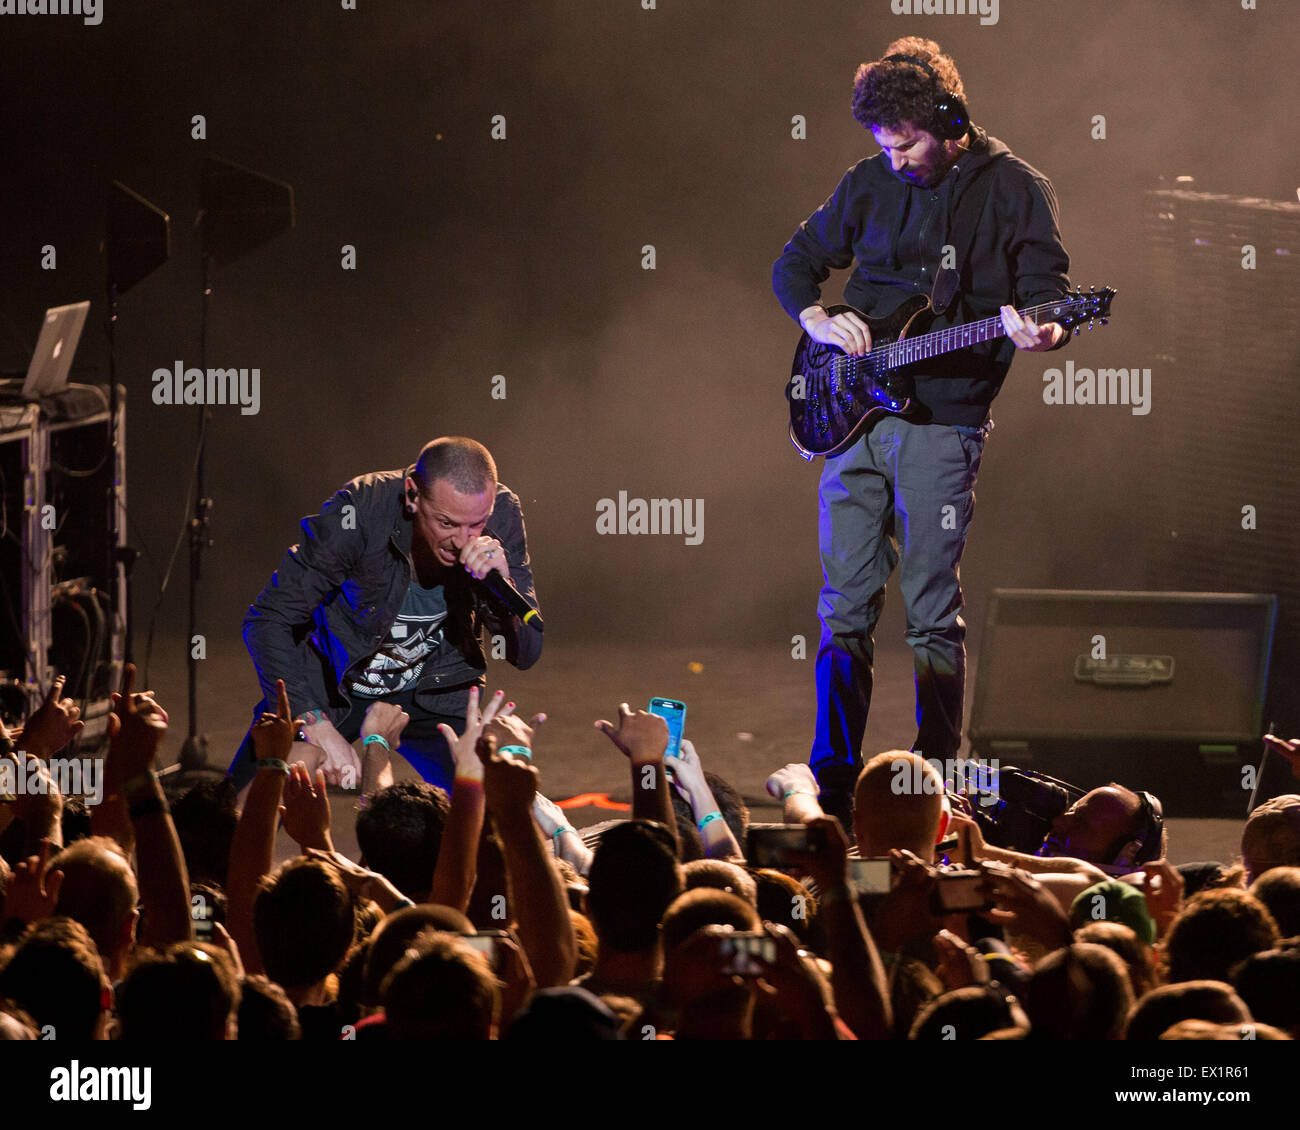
column 1078, row 306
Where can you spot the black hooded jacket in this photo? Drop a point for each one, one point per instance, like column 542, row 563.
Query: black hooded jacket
column 338, row 591
column 895, row 231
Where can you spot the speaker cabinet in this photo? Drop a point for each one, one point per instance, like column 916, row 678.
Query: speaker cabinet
column 1225, row 323
column 1156, row 690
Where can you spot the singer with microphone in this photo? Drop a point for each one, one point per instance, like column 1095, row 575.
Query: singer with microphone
column 395, row 594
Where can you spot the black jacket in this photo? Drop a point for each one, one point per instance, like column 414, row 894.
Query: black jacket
column 335, row 596
column 895, row 231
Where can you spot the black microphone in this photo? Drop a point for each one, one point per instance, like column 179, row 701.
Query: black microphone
column 508, row 595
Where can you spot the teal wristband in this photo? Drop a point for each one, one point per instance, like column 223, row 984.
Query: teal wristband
column 799, row 792
column 401, row 904
column 519, row 750
column 705, row 821
column 274, row 763
column 560, row 831
column 377, row 739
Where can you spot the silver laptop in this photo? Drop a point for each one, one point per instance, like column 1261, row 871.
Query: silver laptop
column 48, row 372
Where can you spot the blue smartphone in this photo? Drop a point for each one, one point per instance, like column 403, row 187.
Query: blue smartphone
column 674, row 713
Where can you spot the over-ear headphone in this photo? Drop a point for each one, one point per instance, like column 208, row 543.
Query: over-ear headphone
column 949, row 119
column 1145, row 846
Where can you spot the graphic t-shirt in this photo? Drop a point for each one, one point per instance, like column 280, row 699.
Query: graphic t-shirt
column 415, row 633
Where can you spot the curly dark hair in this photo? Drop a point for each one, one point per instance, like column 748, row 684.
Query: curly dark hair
column 400, row 833
column 1215, row 930
column 891, row 94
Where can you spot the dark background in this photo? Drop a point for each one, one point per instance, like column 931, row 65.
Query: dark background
column 522, row 257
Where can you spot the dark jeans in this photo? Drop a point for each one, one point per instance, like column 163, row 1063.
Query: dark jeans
column 421, row 744
column 904, row 495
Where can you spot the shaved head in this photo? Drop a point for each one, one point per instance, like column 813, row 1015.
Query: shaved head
column 464, row 463
column 898, row 803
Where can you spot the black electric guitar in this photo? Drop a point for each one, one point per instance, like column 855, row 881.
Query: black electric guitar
column 834, row 397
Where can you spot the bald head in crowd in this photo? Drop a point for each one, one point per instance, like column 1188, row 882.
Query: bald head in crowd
column 898, row 803
column 99, row 891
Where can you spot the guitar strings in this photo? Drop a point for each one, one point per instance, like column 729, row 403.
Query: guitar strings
column 890, row 355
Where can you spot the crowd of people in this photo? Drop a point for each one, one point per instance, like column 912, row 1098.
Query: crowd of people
column 483, row 914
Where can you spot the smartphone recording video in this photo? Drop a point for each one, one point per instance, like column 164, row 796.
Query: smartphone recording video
column 747, row 954
column 871, row 876
column 961, row 892
column 773, row 846
column 673, row 712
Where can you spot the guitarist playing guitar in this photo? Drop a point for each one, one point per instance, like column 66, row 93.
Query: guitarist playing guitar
column 943, row 210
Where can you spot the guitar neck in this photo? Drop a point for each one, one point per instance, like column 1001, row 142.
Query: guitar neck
column 912, row 349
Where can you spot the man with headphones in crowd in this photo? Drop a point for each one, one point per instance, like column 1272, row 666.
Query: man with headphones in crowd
column 1110, row 831
column 383, row 601
column 943, row 209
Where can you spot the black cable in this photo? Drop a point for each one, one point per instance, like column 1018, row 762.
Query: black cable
column 180, row 538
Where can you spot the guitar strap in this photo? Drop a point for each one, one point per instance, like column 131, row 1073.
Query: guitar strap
column 969, row 209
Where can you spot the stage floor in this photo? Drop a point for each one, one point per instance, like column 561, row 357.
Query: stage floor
column 749, row 711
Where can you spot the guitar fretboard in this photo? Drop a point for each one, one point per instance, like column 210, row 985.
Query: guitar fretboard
column 912, row 349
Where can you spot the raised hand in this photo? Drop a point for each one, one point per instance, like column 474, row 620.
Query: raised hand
column 828, row 862
column 514, row 973
column 1163, row 891
column 509, row 785
column 510, row 729
column 137, row 727
column 386, row 719
column 969, row 835
column 54, row 723
column 40, row 805
column 904, row 913
column 1025, row 905
column 795, row 777
column 273, row 734
column 359, row 880
column 32, row 894
column 960, row 963
column 223, row 941
column 306, row 809
column 1288, row 750
column 463, row 746
column 341, row 764
column 641, row 736
column 688, row 771
column 548, row 815
column 797, row 984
